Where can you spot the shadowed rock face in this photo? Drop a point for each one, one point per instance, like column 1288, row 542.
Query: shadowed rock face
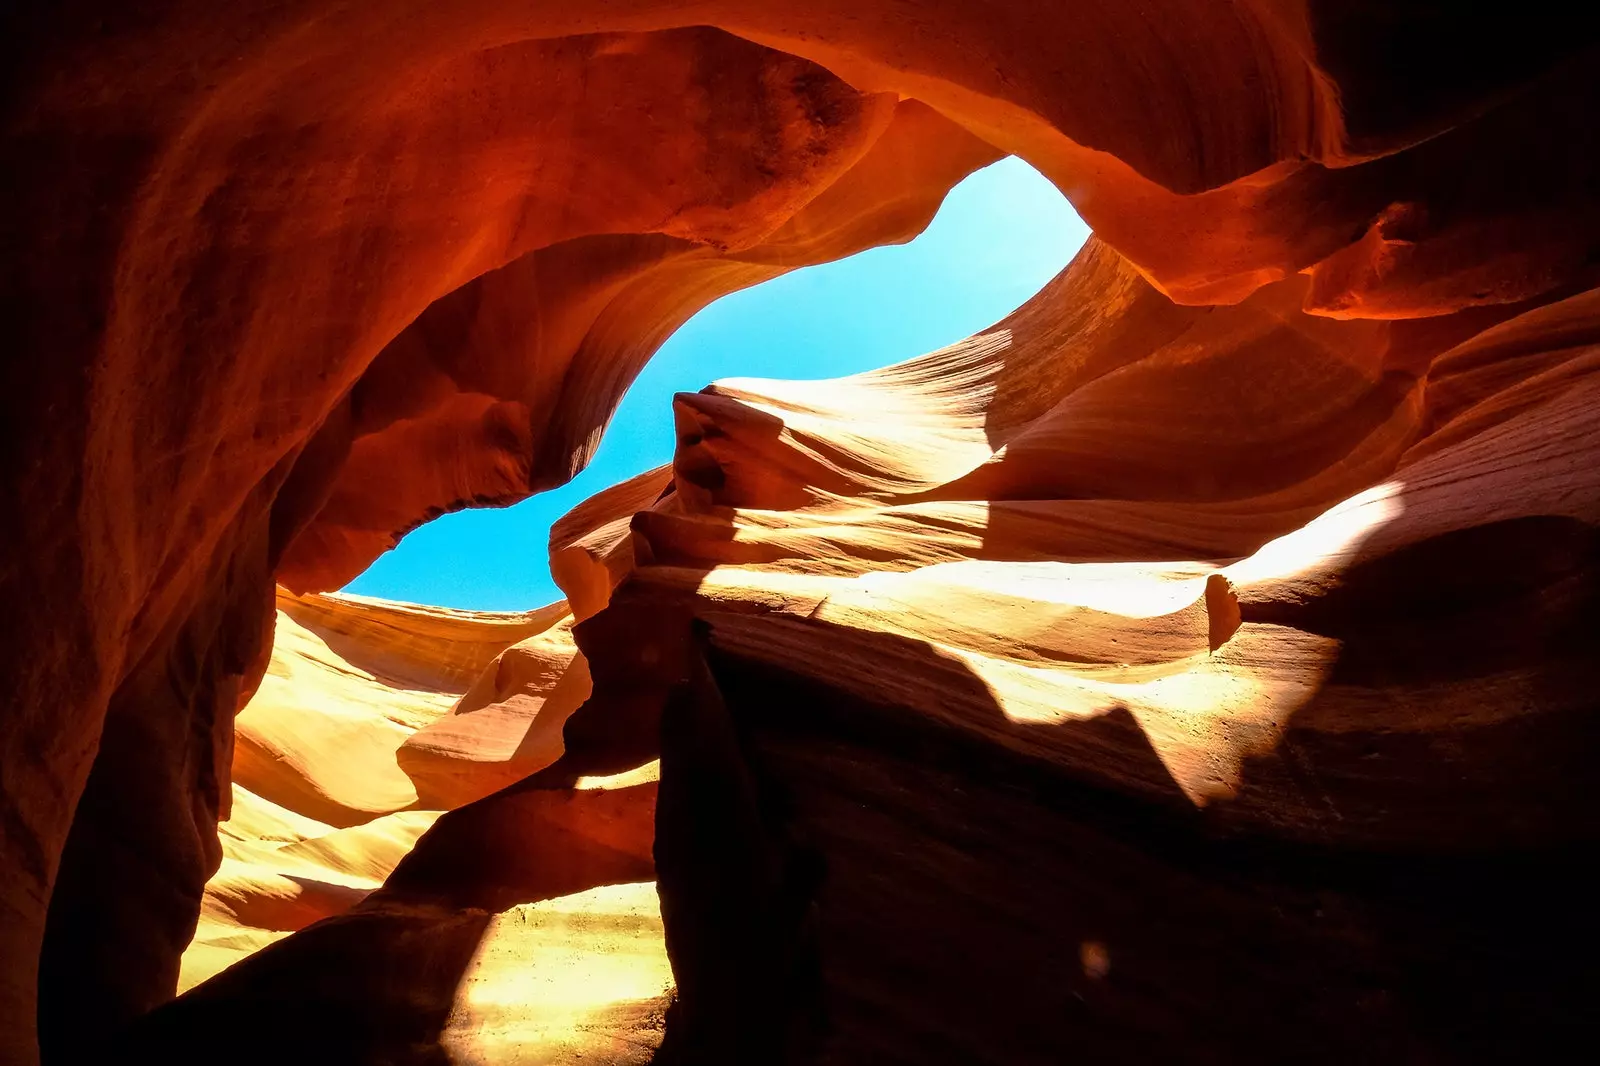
column 1194, row 666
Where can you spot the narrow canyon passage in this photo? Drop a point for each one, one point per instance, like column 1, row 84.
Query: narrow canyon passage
column 1196, row 665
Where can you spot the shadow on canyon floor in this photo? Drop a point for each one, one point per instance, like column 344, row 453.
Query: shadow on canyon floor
column 380, row 982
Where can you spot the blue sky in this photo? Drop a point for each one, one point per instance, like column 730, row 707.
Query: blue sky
column 1000, row 235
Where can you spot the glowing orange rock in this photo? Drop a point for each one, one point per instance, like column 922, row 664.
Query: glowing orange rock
column 288, row 278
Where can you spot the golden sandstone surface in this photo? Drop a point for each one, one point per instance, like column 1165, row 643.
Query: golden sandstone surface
column 1189, row 668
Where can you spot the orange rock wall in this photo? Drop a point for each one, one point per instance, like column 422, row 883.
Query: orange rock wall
column 1066, row 692
column 284, row 280
column 522, row 925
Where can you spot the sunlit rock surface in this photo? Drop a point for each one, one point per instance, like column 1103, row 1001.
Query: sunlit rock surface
column 1196, row 666
column 374, row 719
column 1070, row 693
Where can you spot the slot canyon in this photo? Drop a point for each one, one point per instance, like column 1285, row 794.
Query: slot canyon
column 1188, row 668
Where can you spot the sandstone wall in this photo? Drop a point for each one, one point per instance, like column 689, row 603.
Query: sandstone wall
column 1279, row 504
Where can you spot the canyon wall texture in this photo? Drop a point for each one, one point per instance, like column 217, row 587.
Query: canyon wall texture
column 1195, row 666
column 521, row 929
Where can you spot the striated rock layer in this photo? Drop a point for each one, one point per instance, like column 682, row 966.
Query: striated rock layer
column 523, row 927
column 1194, row 666
column 1049, row 721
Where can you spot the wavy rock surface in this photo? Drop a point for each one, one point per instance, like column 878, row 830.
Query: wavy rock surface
column 1278, row 506
column 1198, row 576
column 1057, row 719
column 1059, row 731
column 367, row 728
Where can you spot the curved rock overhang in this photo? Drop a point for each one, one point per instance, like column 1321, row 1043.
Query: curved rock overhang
column 286, row 279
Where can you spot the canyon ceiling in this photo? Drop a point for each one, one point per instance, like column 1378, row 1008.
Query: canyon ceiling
column 1190, row 668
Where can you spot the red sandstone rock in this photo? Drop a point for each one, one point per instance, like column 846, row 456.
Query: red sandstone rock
column 285, row 280
column 874, row 836
column 1075, row 574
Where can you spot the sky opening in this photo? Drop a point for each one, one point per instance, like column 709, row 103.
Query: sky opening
column 999, row 237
